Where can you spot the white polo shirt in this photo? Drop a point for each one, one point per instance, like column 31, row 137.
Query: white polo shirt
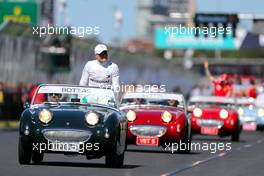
column 96, row 74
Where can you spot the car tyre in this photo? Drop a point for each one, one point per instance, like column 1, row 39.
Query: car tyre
column 260, row 128
column 37, row 158
column 236, row 135
column 187, row 140
column 113, row 160
column 24, row 154
column 187, row 148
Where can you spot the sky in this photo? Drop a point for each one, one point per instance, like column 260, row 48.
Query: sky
column 232, row 6
column 101, row 13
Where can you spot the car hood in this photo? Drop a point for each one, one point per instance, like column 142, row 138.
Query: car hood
column 74, row 114
column 152, row 114
column 72, row 108
column 213, row 112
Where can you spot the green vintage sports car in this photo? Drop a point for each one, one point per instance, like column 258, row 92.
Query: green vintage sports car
column 72, row 120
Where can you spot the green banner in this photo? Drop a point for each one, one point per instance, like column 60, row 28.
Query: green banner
column 19, row 11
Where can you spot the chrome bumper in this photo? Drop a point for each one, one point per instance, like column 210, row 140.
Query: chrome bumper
column 210, row 123
column 62, row 135
column 148, row 130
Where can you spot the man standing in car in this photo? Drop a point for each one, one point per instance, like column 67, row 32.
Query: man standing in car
column 100, row 72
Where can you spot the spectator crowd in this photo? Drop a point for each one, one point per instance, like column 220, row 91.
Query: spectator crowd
column 12, row 99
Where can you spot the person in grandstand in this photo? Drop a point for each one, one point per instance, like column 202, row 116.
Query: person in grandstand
column 222, row 85
column 252, row 89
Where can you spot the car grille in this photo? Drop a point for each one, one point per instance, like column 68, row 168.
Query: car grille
column 148, row 130
column 210, row 123
column 67, row 135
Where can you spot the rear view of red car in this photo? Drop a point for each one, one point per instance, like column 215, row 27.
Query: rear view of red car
column 216, row 116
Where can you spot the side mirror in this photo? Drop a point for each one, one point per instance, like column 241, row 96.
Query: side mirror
column 26, row 105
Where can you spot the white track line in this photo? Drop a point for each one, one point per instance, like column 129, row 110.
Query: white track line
column 220, row 155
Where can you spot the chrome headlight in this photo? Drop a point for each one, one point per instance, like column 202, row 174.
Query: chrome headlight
column 131, row 116
column 197, row 112
column 240, row 111
column 261, row 112
column 166, row 116
column 45, row 116
column 223, row 114
column 91, row 118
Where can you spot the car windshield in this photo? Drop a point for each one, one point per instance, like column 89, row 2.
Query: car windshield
column 212, row 104
column 163, row 99
column 244, row 102
column 59, row 94
column 211, row 101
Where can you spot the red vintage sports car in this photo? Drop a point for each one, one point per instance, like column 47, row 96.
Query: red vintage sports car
column 156, row 118
column 214, row 116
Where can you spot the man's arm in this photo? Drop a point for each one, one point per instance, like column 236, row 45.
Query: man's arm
column 115, row 78
column 85, row 76
column 208, row 74
column 115, row 82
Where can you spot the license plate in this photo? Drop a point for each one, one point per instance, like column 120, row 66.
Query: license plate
column 154, row 141
column 209, row 131
column 250, row 126
column 64, row 147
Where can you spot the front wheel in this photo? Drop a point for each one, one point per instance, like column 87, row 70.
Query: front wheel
column 113, row 160
column 185, row 143
column 24, row 154
column 37, row 158
column 236, row 135
column 185, row 146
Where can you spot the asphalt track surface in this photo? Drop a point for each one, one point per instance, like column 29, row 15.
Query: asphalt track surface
column 245, row 158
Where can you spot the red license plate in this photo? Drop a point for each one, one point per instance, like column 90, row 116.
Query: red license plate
column 250, row 126
column 147, row 140
column 209, row 131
